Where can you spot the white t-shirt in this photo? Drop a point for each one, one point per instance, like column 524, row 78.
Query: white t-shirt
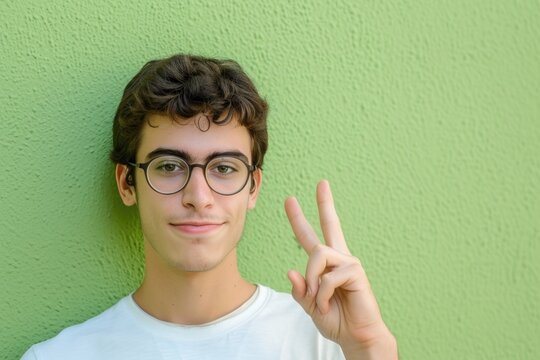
column 270, row 325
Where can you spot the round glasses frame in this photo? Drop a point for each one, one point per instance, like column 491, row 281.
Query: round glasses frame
column 146, row 165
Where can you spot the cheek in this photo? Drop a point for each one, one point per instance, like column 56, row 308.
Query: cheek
column 238, row 212
column 148, row 216
column 153, row 208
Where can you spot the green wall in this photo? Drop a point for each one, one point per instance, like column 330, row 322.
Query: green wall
column 424, row 115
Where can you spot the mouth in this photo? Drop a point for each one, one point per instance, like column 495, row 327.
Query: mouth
column 197, row 227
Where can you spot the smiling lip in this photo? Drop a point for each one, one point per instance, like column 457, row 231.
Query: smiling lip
column 197, row 227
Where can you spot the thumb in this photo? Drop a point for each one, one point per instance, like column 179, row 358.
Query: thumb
column 299, row 287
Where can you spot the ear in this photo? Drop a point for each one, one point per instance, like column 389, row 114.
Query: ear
column 256, row 187
column 126, row 191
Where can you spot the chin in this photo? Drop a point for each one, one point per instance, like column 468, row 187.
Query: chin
column 200, row 265
column 194, row 268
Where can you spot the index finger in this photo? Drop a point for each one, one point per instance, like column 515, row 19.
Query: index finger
column 303, row 231
column 330, row 224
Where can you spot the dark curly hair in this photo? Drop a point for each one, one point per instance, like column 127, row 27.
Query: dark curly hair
column 183, row 86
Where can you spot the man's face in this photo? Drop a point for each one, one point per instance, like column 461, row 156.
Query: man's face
column 195, row 229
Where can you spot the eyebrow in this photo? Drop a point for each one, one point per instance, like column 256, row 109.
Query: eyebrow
column 186, row 156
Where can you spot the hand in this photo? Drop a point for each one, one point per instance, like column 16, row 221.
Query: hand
column 335, row 291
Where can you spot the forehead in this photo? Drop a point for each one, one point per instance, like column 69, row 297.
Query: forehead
column 160, row 131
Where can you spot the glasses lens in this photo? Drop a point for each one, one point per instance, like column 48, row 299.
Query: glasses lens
column 167, row 174
column 227, row 175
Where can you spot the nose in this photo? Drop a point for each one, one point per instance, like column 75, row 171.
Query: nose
column 197, row 194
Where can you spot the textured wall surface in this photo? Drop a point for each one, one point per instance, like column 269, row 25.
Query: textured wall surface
column 424, row 115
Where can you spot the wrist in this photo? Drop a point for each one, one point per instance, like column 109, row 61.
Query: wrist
column 384, row 347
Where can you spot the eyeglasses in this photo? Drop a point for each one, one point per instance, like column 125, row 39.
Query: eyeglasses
column 168, row 174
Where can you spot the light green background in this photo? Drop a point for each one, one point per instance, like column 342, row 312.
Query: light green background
column 424, row 115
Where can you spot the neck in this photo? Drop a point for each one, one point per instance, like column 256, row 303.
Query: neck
column 191, row 298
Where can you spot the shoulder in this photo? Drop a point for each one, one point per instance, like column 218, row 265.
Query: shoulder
column 282, row 300
column 280, row 313
column 294, row 332
column 279, row 304
column 111, row 321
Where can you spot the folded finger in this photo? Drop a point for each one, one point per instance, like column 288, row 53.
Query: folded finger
column 321, row 260
column 328, row 285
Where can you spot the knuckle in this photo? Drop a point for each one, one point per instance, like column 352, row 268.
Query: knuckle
column 353, row 261
column 356, row 266
column 318, row 250
column 327, row 278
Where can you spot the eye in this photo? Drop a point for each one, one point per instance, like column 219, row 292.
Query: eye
column 168, row 166
column 224, row 166
column 224, row 169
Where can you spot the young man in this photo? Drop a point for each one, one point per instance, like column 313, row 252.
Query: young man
column 189, row 139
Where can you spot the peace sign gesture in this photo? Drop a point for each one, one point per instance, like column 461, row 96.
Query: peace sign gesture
column 335, row 291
